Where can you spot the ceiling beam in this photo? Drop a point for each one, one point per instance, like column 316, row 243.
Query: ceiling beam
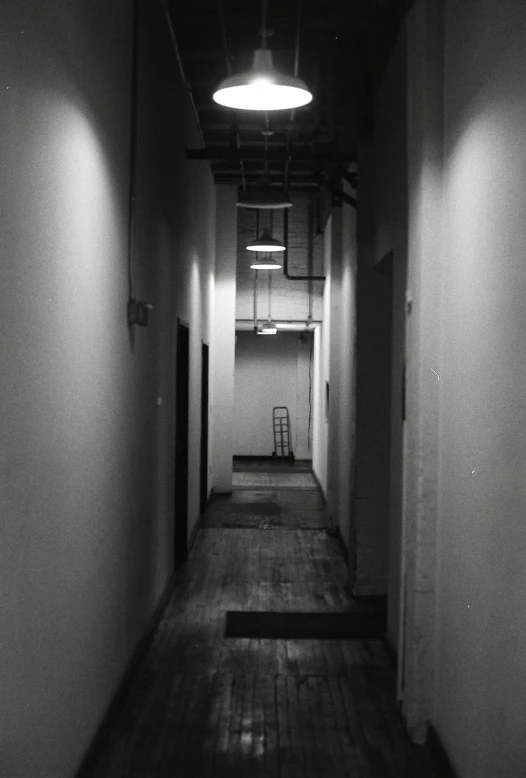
column 272, row 155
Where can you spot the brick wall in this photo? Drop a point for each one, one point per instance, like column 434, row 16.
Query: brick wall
column 289, row 299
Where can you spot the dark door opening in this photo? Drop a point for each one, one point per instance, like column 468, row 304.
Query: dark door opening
column 181, row 444
column 204, row 428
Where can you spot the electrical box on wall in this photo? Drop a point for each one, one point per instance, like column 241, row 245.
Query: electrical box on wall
column 138, row 312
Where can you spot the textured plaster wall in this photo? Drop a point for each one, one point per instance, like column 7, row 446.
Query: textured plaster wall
column 320, row 444
column 86, row 451
column 480, row 709
column 223, row 340
column 370, row 499
column 390, row 206
column 341, row 331
column 464, row 535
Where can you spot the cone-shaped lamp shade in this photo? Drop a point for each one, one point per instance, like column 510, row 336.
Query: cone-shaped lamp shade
column 269, row 328
column 266, row 243
column 265, row 263
column 262, row 88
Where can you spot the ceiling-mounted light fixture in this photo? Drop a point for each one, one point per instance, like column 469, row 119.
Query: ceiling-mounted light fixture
column 269, row 328
column 266, row 242
column 262, row 88
column 266, row 199
column 265, row 263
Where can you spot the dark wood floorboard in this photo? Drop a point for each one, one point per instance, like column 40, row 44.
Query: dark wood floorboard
column 206, row 706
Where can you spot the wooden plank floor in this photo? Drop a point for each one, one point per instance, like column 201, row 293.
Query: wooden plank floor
column 208, row 706
column 262, row 508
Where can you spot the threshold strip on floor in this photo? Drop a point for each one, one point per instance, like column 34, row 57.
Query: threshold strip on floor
column 293, row 625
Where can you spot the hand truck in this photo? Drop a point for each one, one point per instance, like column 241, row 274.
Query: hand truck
column 281, row 428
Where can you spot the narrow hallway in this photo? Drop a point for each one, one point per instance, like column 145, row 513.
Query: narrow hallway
column 203, row 704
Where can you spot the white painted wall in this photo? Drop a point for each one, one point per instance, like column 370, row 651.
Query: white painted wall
column 480, row 708
column 86, row 451
column 346, row 360
column 391, row 213
column 223, row 340
column 464, row 530
column 320, row 444
column 422, row 326
column 334, row 370
column 341, row 350
column 370, row 504
column 271, row 371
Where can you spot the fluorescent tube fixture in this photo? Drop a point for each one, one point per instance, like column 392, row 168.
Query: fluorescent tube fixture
column 262, row 88
column 265, row 263
column 266, row 243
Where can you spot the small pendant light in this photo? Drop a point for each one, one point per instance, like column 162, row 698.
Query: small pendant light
column 269, row 328
column 266, row 263
column 266, row 242
column 266, row 199
column 262, row 88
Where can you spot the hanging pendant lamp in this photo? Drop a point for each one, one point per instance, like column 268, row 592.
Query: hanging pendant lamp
column 269, row 328
column 262, row 88
column 266, row 242
column 265, row 199
column 265, row 263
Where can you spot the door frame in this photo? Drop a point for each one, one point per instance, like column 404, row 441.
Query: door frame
column 205, row 414
column 181, row 439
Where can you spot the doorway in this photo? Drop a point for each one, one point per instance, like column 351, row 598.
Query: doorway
column 181, row 444
column 369, row 536
column 204, row 426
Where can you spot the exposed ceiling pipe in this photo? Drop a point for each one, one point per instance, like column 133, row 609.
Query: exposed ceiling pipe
column 287, row 167
column 310, row 253
column 297, row 49
column 256, row 301
column 274, row 154
column 229, row 71
column 133, row 151
column 177, row 53
column 286, row 255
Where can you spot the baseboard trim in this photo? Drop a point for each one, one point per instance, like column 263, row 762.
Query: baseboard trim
column 334, row 532
column 391, row 651
column 93, row 753
column 249, row 458
column 439, row 754
column 195, row 532
column 320, row 487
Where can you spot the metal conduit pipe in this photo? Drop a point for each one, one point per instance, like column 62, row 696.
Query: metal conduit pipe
column 180, row 66
column 286, row 273
column 256, row 300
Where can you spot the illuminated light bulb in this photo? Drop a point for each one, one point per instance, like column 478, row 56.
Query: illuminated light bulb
column 262, row 88
column 269, row 328
column 266, row 263
column 266, row 243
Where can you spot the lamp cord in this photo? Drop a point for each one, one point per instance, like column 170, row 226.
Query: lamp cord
column 270, row 295
column 264, row 31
